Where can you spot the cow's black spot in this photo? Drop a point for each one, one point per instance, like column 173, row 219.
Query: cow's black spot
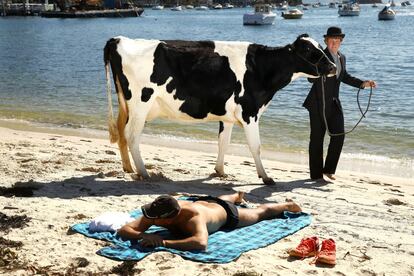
column 111, row 55
column 146, row 94
column 268, row 70
column 200, row 77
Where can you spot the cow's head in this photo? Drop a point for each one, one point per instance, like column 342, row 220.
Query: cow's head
column 311, row 60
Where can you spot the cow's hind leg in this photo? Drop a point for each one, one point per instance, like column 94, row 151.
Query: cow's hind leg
column 253, row 139
column 223, row 144
column 122, row 142
column 133, row 132
column 123, row 147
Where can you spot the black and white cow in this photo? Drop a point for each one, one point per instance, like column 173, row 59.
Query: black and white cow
column 229, row 82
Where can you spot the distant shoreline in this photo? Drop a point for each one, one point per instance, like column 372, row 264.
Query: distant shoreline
column 361, row 163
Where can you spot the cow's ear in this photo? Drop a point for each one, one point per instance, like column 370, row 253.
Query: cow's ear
column 303, row 35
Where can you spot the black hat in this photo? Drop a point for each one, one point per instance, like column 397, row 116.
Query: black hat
column 164, row 206
column 334, row 32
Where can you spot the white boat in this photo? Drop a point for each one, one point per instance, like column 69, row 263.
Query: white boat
column 201, row 8
column 189, row 7
column 292, row 14
column 158, row 7
column 262, row 15
column 177, row 8
column 349, row 9
column 282, row 6
column 386, row 14
column 218, row 7
column 228, row 6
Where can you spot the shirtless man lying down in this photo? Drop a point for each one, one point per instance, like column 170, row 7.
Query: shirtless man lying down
column 192, row 222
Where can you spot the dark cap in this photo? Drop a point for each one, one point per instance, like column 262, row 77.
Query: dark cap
column 164, row 206
column 334, row 32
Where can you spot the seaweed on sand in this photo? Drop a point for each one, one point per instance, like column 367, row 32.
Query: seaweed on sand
column 8, row 222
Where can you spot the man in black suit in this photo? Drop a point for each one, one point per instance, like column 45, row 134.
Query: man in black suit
column 333, row 109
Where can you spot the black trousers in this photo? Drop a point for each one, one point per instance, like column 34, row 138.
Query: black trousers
column 335, row 120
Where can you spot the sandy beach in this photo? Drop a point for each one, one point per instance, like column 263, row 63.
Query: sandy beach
column 76, row 178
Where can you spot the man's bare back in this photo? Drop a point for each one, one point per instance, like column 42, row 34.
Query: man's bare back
column 212, row 214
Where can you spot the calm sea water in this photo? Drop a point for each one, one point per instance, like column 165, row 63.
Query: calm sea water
column 51, row 71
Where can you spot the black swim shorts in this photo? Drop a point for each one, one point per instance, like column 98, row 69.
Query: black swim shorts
column 231, row 210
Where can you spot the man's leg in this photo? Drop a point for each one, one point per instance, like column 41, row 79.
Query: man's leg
column 265, row 211
column 336, row 125
column 317, row 134
column 233, row 198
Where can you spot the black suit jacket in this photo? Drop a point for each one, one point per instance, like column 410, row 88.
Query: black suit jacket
column 313, row 101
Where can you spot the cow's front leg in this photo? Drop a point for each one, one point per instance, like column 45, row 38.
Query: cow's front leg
column 223, row 144
column 133, row 132
column 253, row 140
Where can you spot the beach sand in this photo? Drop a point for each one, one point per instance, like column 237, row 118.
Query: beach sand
column 75, row 178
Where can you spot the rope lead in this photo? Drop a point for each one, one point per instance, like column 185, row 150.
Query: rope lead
column 359, row 106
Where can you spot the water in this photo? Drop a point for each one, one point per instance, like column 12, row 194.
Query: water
column 51, row 71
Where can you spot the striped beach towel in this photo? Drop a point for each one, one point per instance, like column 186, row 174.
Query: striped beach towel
column 223, row 246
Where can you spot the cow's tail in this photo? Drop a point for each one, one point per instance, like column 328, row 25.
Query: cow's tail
column 112, row 126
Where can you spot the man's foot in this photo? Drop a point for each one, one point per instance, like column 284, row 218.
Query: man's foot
column 292, row 206
column 320, row 180
column 240, row 198
column 330, row 176
column 308, row 247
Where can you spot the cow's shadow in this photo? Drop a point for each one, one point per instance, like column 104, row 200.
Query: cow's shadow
column 289, row 186
column 94, row 186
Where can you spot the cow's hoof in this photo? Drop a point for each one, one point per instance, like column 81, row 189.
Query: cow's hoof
column 217, row 174
column 128, row 170
column 269, row 181
column 139, row 177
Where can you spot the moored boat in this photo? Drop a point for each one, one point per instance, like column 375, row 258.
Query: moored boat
column 262, row 15
column 177, row 8
column 292, row 14
column 386, row 14
column 201, row 8
column 132, row 12
column 282, row 6
column 349, row 9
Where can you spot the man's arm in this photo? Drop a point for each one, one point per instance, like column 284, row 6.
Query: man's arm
column 198, row 239
column 348, row 79
column 135, row 229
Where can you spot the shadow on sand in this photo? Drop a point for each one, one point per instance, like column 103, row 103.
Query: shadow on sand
column 95, row 186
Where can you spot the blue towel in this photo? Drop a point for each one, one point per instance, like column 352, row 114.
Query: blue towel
column 223, row 246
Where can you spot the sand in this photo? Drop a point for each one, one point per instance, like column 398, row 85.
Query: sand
column 370, row 216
